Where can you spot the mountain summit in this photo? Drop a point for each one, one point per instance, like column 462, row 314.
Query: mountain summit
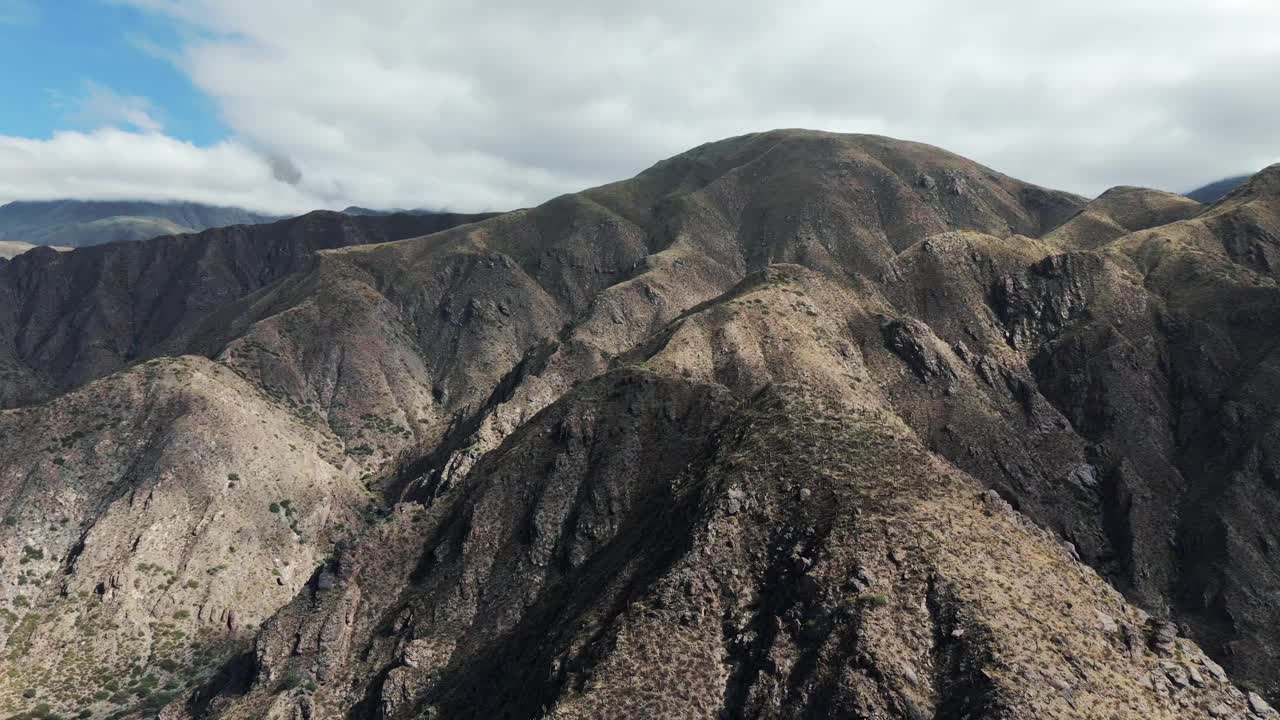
column 794, row 424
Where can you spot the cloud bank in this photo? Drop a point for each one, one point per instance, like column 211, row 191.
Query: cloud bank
column 503, row 104
column 115, row 164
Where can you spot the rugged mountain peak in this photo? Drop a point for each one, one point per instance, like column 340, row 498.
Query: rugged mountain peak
column 953, row 190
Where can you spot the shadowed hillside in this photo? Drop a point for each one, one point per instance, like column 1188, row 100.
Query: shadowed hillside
column 69, row 318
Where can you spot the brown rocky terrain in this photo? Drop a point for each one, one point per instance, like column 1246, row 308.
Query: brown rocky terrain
column 791, row 425
column 67, row 318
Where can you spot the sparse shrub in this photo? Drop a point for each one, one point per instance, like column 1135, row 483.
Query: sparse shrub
column 155, row 701
column 291, row 681
column 873, row 600
column 274, row 507
column 181, row 615
column 10, row 520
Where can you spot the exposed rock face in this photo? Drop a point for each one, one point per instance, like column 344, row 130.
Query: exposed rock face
column 791, row 425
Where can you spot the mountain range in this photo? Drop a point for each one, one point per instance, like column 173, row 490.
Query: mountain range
column 793, row 424
column 79, row 223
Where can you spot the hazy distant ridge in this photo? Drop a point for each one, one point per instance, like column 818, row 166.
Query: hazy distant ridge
column 79, row 223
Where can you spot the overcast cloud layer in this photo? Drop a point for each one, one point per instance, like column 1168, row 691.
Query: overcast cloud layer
column 450, row 104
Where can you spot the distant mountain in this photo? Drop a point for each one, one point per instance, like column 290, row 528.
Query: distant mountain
column 1215, row 191
column 14, row 248
column 357, row 210
column 79, row 223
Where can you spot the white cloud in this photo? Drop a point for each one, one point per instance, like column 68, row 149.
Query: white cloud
column 102, row 106
column 501, row 104
column 113, row 164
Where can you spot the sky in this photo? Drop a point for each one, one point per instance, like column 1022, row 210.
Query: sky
column 289, row 105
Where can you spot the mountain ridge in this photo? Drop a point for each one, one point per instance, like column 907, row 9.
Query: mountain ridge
column 178, row 278
column 856, row 424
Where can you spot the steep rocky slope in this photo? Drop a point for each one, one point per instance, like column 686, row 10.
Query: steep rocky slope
column 793, row 424
column 732, row 524
column 151, row 520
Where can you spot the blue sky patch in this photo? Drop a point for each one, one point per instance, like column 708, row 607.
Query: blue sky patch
column 82, row 64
